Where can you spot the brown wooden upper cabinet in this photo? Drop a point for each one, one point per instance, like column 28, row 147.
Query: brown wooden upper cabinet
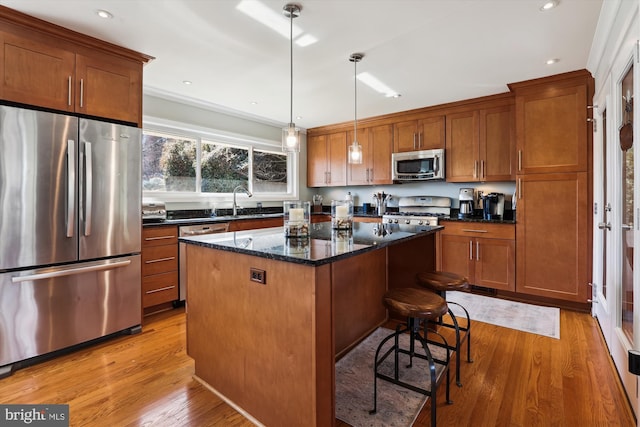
column 551, row 130
column 479, row 145
column 327, row 160
column 377, row 144
column 421, row 134
column 55, row 68
column 39, row 74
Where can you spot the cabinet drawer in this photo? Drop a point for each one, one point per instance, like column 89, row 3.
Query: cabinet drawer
column 159, row 259
column 479, row 229
column 155, row 236
column 159, row 288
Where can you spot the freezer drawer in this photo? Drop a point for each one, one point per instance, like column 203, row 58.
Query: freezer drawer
column 49, row 309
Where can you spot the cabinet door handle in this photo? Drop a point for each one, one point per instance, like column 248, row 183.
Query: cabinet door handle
column 475, row 168
column 414, row 140
column 469, row 230
column 81, row 93
column 519, row 160
column 148, row 239
column 477, row 251
column 470, row 250
column 520, row 188
column 152, row 261
column 69, row 89
column 419, row 139
column 153, row 291
column 482, row 173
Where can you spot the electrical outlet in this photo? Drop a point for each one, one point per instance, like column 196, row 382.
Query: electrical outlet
column 257, row 275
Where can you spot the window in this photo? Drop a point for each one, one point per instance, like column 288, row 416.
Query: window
column 183, row 164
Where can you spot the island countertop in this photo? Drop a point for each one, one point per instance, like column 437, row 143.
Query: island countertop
column 324, row 245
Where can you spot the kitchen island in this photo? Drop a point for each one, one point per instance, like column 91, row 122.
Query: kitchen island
column 268, row 316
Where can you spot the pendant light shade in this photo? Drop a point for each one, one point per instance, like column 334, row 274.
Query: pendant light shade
column 355, row 149
column 291, row 134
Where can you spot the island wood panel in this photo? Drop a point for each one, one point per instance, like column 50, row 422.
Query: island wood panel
column 267, row 348
column 359, row 285
column 408, row 259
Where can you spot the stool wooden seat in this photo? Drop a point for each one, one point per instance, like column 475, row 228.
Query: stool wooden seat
column 417, row 306
column 440, row 282
column 413, row 302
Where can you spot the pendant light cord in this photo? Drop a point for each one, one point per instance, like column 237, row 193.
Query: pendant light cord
column 291, row 58
column 355, row 103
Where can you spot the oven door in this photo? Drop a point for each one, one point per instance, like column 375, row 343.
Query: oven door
column 418, row 165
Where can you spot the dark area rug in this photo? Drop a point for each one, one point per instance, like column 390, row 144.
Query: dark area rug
column 397, row 406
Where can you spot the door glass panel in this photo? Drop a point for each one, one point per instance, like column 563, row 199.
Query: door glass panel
column 627, row 209
column 606, row 207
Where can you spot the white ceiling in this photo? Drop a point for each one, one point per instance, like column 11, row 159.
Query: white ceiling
column 430, row 51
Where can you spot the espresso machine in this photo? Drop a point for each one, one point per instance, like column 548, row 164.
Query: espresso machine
column 493, row 205
column 466, row 203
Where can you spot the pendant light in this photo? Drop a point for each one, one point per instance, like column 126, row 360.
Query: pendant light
column 355, row 149
column 291, row 134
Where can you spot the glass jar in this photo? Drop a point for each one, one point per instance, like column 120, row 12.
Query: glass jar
column 297, row 216
column 341, row 214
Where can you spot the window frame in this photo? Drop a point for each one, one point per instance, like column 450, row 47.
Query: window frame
column 208, row 135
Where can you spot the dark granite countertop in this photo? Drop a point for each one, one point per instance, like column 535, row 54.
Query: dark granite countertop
column 480, row 219
column 323, row 246
column 226, row 218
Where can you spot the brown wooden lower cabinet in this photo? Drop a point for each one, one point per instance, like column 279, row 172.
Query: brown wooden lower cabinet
column 159, row 265
column 484, row 253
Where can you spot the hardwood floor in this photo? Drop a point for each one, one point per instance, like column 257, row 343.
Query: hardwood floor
column 517, row 379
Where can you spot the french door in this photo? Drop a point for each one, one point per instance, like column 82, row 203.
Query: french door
column 616, row 284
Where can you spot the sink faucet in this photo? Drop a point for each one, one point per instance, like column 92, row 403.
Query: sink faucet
column 235, row 204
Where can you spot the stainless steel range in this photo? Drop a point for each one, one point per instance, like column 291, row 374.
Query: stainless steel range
column 419, row 210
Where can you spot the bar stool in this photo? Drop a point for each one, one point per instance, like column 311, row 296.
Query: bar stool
column 417, row 306
column 440, row 282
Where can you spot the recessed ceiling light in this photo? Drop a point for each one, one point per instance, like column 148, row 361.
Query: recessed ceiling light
column 187, row 82
column 104, row 14
column 298, row 117
column 552, row 61
column 549, row 5
column 377, row 85
column 254, row 102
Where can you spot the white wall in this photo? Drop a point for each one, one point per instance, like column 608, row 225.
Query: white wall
column 167, row 109
column 364, row 194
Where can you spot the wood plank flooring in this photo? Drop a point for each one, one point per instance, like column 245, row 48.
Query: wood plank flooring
column 517, row 379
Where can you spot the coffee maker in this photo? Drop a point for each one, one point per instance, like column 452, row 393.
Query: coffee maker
column 466, row 203
column 493, row 205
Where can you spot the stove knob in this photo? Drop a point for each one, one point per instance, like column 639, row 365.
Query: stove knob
column 395, row 221
column 407, row 221
column 420, row 222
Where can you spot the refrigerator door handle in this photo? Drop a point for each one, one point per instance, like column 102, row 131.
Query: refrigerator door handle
column 88, row 200
column 71, row 191
column 71, row 271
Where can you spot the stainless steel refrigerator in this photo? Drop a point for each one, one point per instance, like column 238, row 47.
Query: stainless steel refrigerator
column 70, row 226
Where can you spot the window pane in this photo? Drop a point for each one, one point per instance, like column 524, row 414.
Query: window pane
column 168, row 163
column 223, row 167
column 269, row 172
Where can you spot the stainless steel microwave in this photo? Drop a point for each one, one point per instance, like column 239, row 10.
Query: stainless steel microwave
column 418, row 165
